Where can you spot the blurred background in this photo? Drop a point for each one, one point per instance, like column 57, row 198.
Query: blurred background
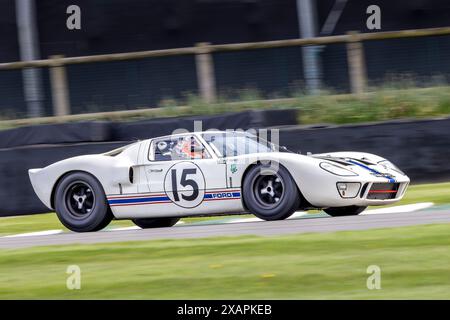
column 79, row 76
column 33, row 30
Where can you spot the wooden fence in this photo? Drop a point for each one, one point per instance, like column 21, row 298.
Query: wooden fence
column 205, row 63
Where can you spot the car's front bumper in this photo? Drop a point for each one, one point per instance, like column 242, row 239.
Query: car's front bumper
column 370, row 192
column 376, row 193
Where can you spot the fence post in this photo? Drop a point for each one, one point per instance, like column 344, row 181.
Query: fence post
column 356, row 64
column 205, row 73
column 59, row 88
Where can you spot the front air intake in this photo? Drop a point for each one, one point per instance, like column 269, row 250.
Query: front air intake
column 383, row 191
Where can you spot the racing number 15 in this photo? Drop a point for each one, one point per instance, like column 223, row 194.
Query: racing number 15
column 184, row 182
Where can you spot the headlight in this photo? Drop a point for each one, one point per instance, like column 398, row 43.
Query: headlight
column 389, row 165
column 348, row 189
column 337, row 170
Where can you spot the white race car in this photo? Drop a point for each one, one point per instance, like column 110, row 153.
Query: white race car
column 155, row 182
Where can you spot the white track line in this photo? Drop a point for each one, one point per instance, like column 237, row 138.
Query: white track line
column 401, row 209
column 396, row 209
column 124, row 228
column 298, row 214
column 38, row 233
column 136, row 227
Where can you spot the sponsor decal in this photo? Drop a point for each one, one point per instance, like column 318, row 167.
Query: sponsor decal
column 223, row 195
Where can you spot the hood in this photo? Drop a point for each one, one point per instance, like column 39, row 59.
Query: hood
column 361, row 163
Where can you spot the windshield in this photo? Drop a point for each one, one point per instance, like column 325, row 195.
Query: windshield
column 230, row 144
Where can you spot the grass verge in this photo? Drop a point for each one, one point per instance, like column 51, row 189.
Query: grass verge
column 395, row 100
column 413, row 260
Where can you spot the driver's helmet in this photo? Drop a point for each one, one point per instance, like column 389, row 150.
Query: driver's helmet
column 190, row 148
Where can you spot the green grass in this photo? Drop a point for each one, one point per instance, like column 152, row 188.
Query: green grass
column 381, row 105
column 39, row 222
column 438, row 193
column 395, row 100
column 413, row 260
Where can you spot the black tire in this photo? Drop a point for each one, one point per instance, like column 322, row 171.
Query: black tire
column 80, row 203
column 260, row 196
column 155, row 223
column 344, row 211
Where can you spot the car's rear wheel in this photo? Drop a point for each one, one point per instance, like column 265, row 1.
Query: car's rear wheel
column 270, row 193
column 80, row 203
column 155, row 223
column 344, row 211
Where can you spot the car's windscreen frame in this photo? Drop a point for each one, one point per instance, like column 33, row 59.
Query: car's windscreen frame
column 265, row 145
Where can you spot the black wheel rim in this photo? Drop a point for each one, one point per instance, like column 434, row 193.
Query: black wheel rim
column 268, row 190
column 80, row 199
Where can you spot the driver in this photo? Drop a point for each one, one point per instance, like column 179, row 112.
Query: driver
column 189, row 148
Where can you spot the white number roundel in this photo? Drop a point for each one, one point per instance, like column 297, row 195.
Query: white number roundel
column 184, row 184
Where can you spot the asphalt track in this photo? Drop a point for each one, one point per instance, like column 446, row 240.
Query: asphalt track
column 286, row 227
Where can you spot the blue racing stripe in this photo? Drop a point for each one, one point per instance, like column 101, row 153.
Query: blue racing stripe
column 137, row 200
column 218, row 196
column 391, row 180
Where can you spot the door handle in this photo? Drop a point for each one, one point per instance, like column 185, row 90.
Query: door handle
column 155, row 170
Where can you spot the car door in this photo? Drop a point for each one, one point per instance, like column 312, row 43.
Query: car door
column 184, row 172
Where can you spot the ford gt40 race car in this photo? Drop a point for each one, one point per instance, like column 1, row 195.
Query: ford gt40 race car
column 155, row 182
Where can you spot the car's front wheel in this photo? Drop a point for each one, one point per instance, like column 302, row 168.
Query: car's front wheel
column 344, row 211
column 80, row 203
column 270, row 193
column 155, row 223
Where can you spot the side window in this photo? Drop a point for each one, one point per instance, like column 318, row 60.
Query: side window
column 179, row 148
column 162, row 150
column 223, row 144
